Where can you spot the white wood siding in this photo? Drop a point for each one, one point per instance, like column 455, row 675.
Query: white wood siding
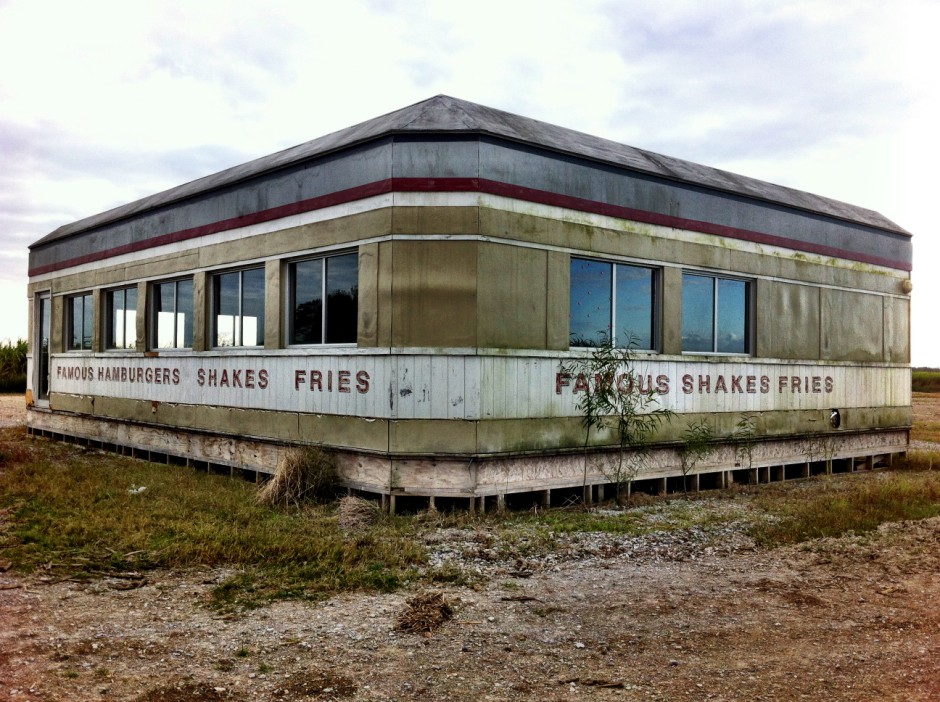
column 428, row 386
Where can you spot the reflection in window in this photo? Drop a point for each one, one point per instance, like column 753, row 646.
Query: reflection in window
column 81, row 317
column 324, row 300
column 612, row 301
column 173, row 314
column 122, row 318
column 238, row 300
column 715, row 317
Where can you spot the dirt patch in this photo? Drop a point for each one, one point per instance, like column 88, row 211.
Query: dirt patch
column 12, row 410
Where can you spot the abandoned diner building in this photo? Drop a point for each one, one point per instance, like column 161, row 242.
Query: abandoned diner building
column 410, row 291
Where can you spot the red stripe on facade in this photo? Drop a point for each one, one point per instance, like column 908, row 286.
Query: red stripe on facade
column 482, row 185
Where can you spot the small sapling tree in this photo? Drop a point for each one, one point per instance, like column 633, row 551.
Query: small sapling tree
column 820, row 447
column 698, row 443
column 743, row 438
column 611, row 395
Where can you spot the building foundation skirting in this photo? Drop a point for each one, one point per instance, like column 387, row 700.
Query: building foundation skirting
column 491, row 476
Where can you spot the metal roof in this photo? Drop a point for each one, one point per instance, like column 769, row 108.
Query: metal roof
column 447, row 115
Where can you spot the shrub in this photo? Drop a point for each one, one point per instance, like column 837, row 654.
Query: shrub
column 13, row 366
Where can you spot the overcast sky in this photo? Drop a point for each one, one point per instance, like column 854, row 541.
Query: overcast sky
column 104, row 102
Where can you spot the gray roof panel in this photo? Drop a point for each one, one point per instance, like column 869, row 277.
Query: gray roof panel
column 443, row 114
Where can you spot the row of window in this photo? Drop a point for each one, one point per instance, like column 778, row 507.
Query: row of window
column 619, row 302
column 613, row 301
column 323, row 308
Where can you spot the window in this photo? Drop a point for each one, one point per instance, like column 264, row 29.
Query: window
column 324, row 300
column 122, row 319
column 173, row 314
column 715, row 314
column 81, row 316
column 238, row 308
column 612, row 301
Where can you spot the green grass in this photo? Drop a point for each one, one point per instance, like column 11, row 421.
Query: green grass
column 851, row 504
column 73, row 516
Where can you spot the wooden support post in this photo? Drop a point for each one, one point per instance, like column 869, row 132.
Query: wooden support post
column 384, row 502
column 662, row 486
column 695, row 482
column 586, row 494
column 482, row 504
column 391, row 504
column 806, row 470
column 546, row 498
column 753, row 477
column 501, row 502
column 431, row 506
column 473, row 504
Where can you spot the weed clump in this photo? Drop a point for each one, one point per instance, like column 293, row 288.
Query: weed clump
column 303, row 475
column 357, row 514
column 424, row 612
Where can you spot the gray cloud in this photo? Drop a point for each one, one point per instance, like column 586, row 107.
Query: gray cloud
column 47, row 154
column 723, row 82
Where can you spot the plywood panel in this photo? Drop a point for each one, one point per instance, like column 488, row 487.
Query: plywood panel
column 512, row 298
column 434, row 294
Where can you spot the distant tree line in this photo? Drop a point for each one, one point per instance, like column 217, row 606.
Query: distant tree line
column 925, row 380
column 13, row 366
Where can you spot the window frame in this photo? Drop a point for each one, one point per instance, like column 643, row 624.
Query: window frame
column 747, row 316
column 655, row 302
column 88, row 316
column 153, row 322
column 110, row 339
column 238, row 325
column 291, row 300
